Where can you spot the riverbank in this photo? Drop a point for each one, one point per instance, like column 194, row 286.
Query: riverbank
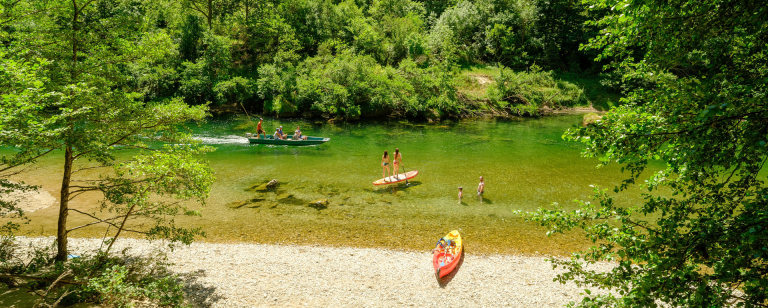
column 30, row 201
column 251, row 275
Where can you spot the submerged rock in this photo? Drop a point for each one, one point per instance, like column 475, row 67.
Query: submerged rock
column 251, row 203
column 286, row 198
column 268, row 186
column 272, row 184
column 236, row 204
column 320, row 204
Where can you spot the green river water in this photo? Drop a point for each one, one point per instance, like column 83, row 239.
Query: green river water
column 525, row 162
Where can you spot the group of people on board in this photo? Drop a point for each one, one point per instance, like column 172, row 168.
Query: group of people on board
column 279, row 134
column 397, row 161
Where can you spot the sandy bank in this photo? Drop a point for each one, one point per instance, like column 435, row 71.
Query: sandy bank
column 31, row 201
column 252, row 275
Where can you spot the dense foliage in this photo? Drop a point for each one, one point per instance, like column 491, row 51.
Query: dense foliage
column 528, row 91
column 68, row 76
column 700, row 238
column 223, row 51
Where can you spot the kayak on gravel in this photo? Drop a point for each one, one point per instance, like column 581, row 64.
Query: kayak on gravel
column 447, row 253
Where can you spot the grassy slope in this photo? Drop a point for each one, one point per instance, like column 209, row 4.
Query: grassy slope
column 473, row 81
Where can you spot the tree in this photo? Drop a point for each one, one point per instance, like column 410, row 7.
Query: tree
column 212, row 9
column 86, row 112
column 191, row 35
column 561, row 25
column 700, row 238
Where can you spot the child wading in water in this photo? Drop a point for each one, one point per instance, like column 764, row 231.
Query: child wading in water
column 461, row 193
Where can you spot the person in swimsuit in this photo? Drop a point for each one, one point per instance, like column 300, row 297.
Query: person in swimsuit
column 461, row 193
column 259, row 130
column 385, row 166
column 297, row 134
column 398, row 162
column 481, row 189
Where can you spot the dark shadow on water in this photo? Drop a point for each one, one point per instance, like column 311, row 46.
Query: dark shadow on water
column 443, row 282
column 197, row 293
column 464, row 203
column 393, row 188
column 485, row 201
column 284, row 150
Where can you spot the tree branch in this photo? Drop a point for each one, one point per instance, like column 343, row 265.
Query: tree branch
column 41, row 279
column 94, row 217
column 26, row 161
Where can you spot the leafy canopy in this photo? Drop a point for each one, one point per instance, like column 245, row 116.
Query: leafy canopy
column 69, row 91
column 700, row 238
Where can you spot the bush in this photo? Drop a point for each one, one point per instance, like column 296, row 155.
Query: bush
column 111, row 281
column 534, row 88
column 350, row 86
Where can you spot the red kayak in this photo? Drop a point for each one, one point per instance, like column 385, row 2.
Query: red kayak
column 447, row 253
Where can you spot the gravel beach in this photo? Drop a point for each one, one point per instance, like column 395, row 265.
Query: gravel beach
column 254, row 275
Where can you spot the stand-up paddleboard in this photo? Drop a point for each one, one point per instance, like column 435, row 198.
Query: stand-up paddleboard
column 397, row 179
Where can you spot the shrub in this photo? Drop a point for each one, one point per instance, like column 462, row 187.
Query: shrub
column 534, row 88
column 348, row 85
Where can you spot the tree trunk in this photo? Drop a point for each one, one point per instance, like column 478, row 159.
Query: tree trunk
column 210, row 15
column 61, row 234
column 247, row 12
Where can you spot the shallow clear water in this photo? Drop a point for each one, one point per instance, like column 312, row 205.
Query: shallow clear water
column 525, row 162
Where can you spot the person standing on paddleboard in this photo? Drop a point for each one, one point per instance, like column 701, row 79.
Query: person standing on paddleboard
column 398, row 162
column 385, row 166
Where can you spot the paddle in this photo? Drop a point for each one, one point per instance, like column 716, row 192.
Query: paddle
column 249, row 120
column 406, row 175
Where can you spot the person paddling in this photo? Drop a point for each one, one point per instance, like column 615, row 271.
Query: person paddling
column 398, row 162
column 385, row 166
column 259, row 130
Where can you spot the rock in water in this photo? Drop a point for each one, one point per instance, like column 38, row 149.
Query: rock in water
column 252, row 203
column 263, row 187
column 236, row 204
column 272, row 184
column 319, row 204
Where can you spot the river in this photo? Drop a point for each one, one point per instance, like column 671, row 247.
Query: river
column 525, row 162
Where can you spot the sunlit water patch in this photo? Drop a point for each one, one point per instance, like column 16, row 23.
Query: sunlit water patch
column 230, row 139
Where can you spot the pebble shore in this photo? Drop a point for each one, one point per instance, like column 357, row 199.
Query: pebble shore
column 255, row 275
